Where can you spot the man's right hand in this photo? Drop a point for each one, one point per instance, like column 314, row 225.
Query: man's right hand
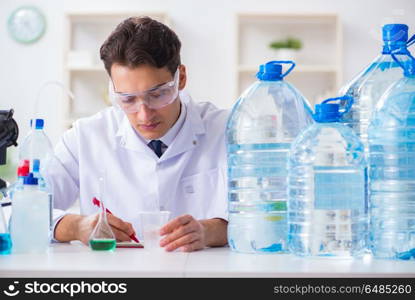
column 76, row 227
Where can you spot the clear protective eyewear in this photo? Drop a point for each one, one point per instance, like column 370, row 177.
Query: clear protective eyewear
column 154, row 98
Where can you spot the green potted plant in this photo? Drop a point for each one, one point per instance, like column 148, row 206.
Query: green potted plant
column 286, row 49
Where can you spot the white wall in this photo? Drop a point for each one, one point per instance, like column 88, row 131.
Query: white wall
column 207, row 30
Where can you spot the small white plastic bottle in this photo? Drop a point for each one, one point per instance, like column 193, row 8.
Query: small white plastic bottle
column 30, row 221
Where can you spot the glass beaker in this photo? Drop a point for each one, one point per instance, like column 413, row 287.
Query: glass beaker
column 150, row 223
column 102, row 238
column 5, row 239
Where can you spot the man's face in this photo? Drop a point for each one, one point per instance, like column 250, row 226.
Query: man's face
column 150, row 123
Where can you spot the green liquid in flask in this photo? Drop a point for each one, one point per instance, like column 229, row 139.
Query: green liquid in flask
column 103, row 244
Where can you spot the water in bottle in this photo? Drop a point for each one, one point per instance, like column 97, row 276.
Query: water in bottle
column 369, row 85
column 392, row 170
column 327, row 206
column 262, row 125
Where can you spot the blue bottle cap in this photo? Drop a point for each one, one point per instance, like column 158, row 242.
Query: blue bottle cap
column 39, row 123
column 30, row 180
column 327, row 112
column 261, row 70
column 395, row 33
column 270, row 72
column 36, row 165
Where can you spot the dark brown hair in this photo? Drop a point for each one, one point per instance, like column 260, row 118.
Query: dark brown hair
column 141, row 40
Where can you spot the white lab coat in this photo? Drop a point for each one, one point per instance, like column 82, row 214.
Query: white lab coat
column 189, row 178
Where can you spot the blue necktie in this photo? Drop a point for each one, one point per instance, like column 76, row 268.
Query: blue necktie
column 155, row 145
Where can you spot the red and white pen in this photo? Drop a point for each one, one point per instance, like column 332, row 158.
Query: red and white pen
column 96, row 202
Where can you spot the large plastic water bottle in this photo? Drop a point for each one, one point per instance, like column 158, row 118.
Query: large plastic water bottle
column 327, row 208
column 369, row 85
column 392, row 170
column 263, row 123
column 30, row 220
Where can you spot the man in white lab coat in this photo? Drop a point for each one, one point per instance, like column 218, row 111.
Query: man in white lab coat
column 156, row 148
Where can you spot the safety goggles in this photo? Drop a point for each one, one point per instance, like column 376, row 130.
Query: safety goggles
column 154, row 98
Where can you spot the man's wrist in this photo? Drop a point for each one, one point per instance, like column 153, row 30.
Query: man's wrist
column 215, row 232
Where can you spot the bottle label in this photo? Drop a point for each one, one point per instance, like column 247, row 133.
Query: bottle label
column 345, row 190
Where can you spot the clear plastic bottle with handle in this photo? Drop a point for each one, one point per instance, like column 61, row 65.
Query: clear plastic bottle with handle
column 392, row 169
column 327, row 207
column 263, row 123
column 369, row 85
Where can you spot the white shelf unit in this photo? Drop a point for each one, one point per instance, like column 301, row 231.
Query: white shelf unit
column 318, row 68
column 84, row 72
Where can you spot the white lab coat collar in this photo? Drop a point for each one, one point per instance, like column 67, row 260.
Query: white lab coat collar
column 185, row 139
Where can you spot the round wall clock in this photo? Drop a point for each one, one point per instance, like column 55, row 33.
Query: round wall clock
column 26, row 24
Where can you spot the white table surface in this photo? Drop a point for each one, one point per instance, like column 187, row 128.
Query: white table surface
column 77, row 260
